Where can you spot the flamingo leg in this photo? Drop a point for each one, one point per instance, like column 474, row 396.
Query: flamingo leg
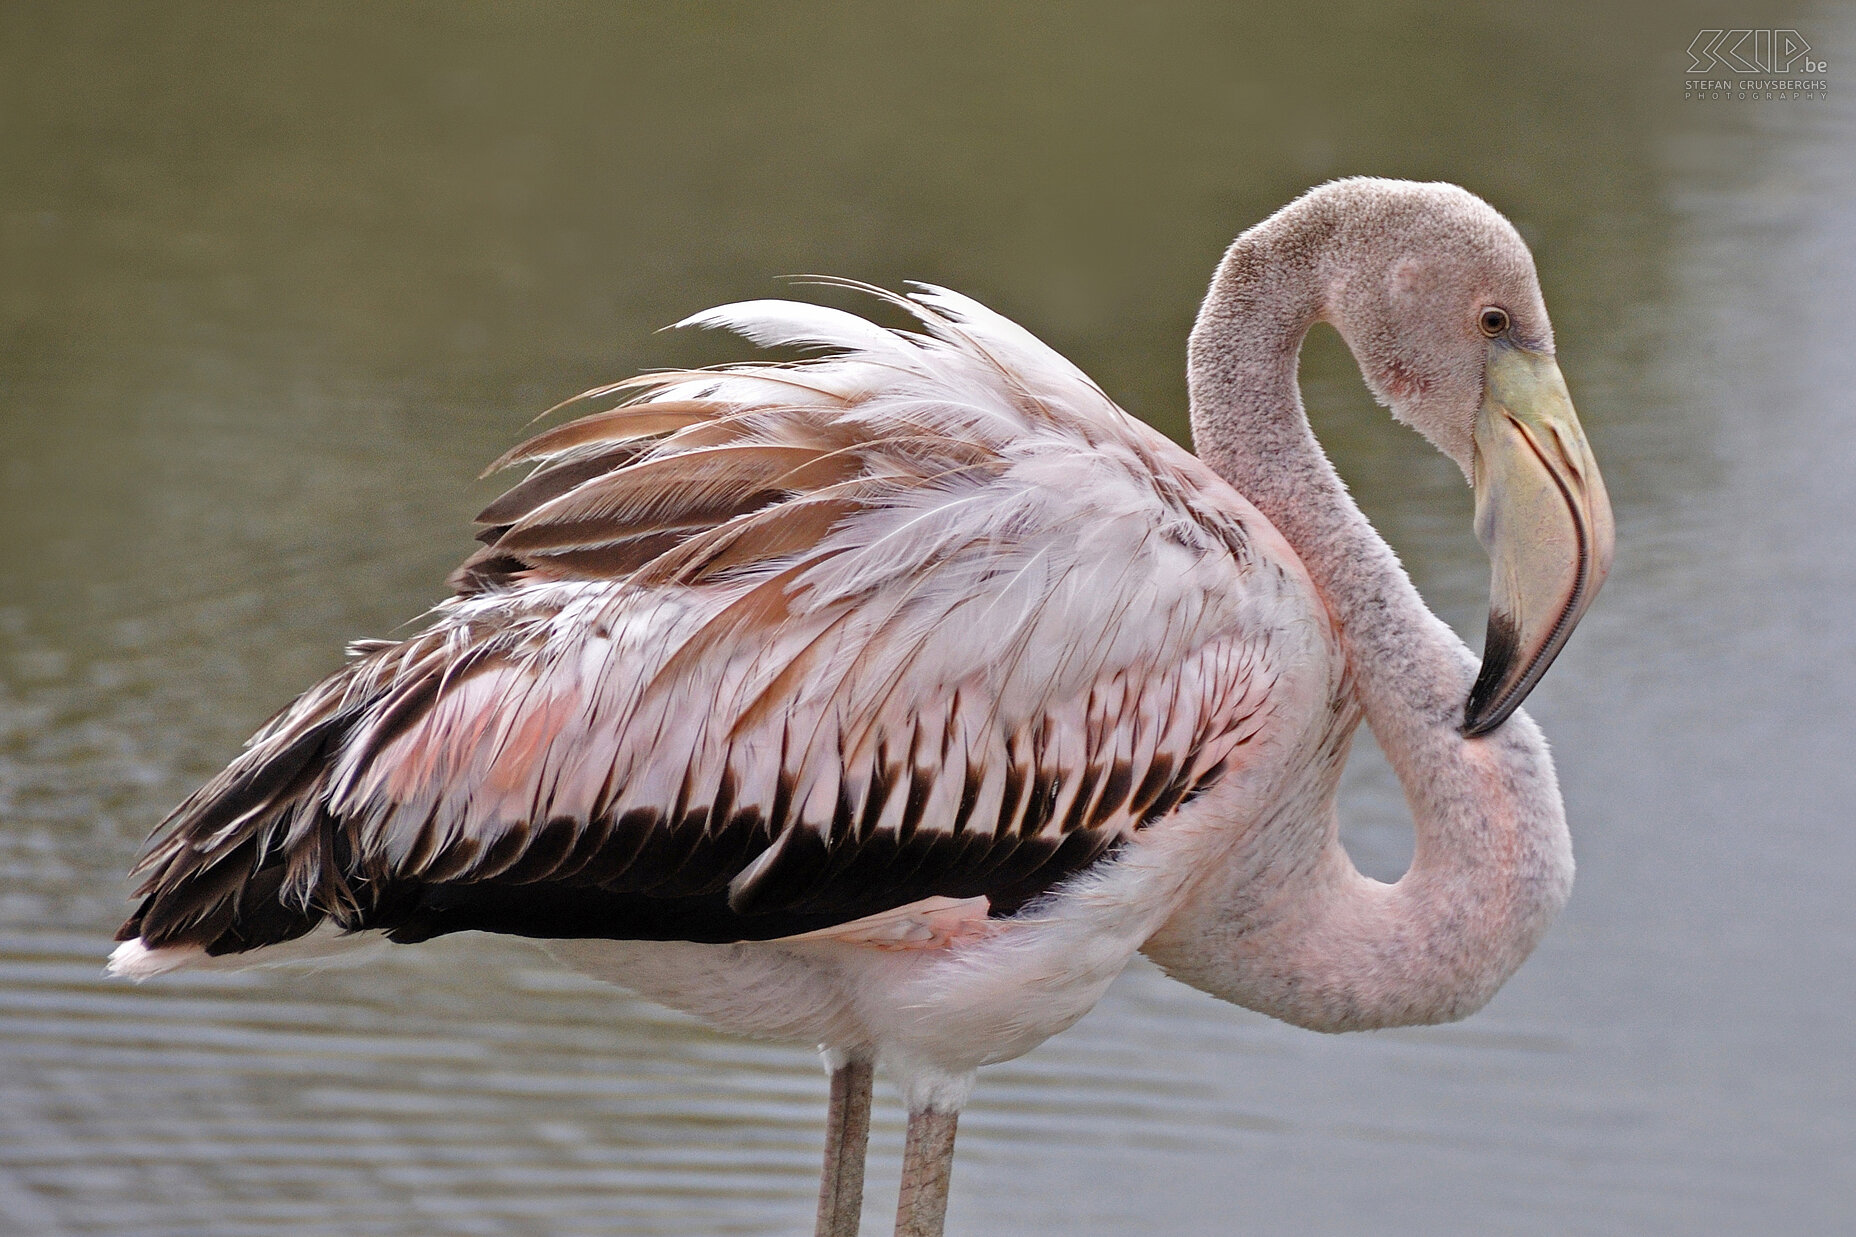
column 847, row 1138
column 927, row 1166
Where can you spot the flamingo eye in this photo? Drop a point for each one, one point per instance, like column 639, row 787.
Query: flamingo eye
column 1494, row 321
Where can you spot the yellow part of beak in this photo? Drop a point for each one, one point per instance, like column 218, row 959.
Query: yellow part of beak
column 1542, row 514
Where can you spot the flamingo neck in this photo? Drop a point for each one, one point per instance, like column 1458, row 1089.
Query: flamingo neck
column 1325, row 946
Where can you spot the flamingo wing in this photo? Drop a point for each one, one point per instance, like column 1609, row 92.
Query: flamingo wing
column 762, row 650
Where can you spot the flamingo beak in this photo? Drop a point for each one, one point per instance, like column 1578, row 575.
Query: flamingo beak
column 1542, row 515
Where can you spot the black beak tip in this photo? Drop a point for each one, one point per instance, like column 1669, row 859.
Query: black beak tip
column 1478, row 719
column 1493, row 699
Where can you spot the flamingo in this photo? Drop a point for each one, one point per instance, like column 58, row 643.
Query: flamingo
column 892, row 699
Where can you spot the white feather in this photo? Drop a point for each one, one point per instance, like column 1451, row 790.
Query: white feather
column 795, row 324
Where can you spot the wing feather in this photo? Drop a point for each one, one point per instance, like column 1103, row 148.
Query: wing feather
column 763, row 650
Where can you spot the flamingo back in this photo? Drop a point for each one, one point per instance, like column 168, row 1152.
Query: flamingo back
column 759, row 650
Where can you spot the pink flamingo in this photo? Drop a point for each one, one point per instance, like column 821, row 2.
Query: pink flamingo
column 892, row 700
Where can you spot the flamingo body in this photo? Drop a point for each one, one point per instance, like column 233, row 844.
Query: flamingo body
column 887, row 700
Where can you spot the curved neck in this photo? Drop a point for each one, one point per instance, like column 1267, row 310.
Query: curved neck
column 1331, row 948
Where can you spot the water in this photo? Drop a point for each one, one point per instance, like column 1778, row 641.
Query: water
column 278, row 281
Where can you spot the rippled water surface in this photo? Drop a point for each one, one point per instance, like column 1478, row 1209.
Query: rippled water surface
column 276, row 281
